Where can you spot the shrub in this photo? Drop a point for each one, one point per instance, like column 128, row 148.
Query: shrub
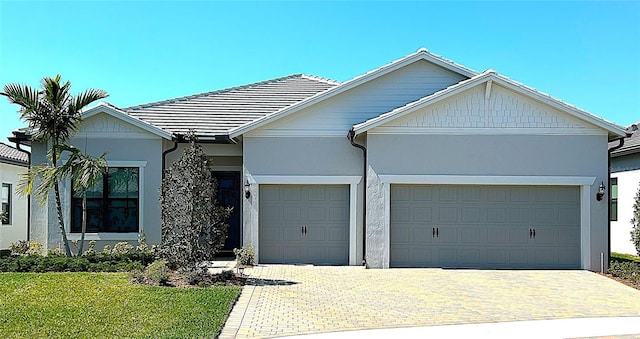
column 635, row 221
column 626, row 270
column 194, row 225
column 157, row 272
column 245, row 255
column 24, row 247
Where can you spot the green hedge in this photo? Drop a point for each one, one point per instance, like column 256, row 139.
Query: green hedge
column 95, row 263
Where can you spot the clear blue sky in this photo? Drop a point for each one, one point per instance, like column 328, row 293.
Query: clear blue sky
column 585, row 53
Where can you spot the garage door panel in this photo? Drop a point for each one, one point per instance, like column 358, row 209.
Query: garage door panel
column 401, row 214
column 304, row 224
column 448, row 214
column 471, row 214
column 291, row 194
column 338, row 213
column 519, row 215
column 544, row 215
column 497, row 235
column 419, row 234
column 290, row 213
column 486, row 226
column 447, row 235
column 497, row 257
column 497, row 215
column 470, row 235
column 316, row 214
column 420, row 194
column 471, row 257
column 421, row 214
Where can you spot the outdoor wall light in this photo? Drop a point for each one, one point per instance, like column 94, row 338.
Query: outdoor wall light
column 600, row 193
column 247, row 191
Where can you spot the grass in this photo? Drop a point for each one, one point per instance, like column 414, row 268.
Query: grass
column 107, row 305
column 625, row 257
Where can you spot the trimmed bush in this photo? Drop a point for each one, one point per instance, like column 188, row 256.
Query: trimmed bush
column 626, row 270
column 157, row 272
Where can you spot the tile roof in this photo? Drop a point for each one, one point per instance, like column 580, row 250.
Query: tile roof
column 631, row 144
column 11, row 155
column 215, row 113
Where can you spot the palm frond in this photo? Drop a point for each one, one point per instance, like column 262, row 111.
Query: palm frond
column 85, row 98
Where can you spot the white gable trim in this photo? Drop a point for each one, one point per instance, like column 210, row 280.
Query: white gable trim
column 118, row 114
column 490, row 77
column 486, row 131
column 421, row 54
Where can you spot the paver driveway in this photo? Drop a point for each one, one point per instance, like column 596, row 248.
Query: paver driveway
column 285, row 300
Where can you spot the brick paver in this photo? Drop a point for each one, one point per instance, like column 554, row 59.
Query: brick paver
column 283, row 300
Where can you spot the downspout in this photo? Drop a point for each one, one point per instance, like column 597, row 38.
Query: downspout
column 28, row 196
column 164, row 154
column 621, row 140
column 351, row 136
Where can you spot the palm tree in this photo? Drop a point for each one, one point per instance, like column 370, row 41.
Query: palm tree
column 52, row 114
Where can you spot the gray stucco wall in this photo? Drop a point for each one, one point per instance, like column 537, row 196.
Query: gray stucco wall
column 489, row 155
column 44, row 218
column 297, row 156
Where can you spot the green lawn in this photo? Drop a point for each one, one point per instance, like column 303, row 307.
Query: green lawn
column 624, row 257
column 107, row 305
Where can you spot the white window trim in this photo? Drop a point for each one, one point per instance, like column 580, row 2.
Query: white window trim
column 352, row 181
column 9, row 202
column 109, row 235
column 584, row 183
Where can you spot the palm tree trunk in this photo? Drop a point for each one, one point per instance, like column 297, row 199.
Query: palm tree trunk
column 84, row 223
column 56, row 190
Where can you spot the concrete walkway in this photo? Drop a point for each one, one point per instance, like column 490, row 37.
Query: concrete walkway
column 286, row 300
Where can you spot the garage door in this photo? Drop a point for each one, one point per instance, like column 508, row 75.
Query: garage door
column 485, row 226
column 304, row 224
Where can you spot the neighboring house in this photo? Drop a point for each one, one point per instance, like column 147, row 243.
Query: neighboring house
column 462, row 169
column 625, row 182
column 13, row 163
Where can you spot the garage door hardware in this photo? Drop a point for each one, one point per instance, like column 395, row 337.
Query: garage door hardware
column 303, row 230
column 435, row 232
column 532, row 233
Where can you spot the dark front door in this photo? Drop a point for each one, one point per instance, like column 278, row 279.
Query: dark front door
column 229, row 195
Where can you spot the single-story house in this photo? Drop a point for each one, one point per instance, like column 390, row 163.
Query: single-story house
column 625, row 182
column 13, row 222
column 421, row 162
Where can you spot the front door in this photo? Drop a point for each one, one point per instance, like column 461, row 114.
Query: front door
column 229, row 195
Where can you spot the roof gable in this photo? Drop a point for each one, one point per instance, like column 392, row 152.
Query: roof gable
column 534, row 116
column 421, row 54
column 103, row 125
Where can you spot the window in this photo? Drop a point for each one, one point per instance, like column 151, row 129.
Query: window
column 112, row 204
column 6, row 204
column 614, row 199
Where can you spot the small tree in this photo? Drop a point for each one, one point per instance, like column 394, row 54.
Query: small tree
column 635, row 230
column 194, row 225
column 53, row 114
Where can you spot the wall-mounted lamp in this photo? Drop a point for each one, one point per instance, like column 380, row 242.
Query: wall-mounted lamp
column 600, row 193
column 247, row 190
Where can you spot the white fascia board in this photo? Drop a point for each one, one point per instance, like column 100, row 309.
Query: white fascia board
column 306, row 179
column 119, row 114
column 420, row 103
column 422, row 54
column 487, row 180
